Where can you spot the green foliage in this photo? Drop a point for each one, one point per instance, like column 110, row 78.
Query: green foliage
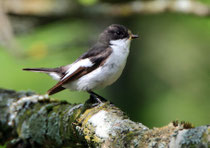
column 205, row 1
column 88, row 2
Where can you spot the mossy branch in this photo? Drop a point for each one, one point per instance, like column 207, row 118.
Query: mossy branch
column 31, row 120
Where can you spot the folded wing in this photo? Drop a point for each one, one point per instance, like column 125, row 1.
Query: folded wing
column 80, row 68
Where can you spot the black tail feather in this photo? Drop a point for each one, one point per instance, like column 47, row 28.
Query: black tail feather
column 41, row 69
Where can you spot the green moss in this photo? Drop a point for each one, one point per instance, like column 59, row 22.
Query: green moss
column 7, row 97
column 52, row 120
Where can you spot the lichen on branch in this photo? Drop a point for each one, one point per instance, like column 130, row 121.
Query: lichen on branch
column 31, row 120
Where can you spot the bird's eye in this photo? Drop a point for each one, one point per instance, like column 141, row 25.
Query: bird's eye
column 118, row 33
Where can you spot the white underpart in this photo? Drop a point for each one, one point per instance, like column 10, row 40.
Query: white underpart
column 101, row 125
column 55, row 76
column 105, row 75
column 81, row 63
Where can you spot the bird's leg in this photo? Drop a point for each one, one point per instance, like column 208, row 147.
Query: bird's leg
column 97, row 97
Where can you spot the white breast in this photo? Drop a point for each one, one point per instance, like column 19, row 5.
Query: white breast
column 108, row 73
column 116, row 63
column 120, row 52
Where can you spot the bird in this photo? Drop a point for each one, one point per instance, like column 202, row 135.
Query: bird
column 97, row 68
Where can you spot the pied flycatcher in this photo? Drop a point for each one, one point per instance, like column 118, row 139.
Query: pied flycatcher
column 99, row 67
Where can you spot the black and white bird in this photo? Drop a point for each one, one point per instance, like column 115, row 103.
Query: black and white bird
column 99, row 67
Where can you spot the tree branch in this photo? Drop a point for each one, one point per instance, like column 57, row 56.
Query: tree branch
column 28, row 119
column 158, row 6
column 51, row 7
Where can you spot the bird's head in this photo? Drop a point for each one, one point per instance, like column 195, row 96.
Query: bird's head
column 116, row 32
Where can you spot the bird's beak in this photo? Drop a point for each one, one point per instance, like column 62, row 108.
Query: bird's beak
column 134, row 36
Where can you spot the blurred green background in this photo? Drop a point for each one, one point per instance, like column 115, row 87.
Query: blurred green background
column 167, row 76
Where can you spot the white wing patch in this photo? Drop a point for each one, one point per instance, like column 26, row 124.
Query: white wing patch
column 78, row 64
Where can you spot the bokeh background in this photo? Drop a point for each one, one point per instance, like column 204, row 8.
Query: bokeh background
column 167, row 76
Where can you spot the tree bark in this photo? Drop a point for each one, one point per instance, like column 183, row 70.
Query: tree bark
column 31, row 120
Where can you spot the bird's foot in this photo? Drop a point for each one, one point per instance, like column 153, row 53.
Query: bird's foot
column 95, row 99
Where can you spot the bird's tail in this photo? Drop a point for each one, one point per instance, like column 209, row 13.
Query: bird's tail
column 44, row 70
column 53, row 72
